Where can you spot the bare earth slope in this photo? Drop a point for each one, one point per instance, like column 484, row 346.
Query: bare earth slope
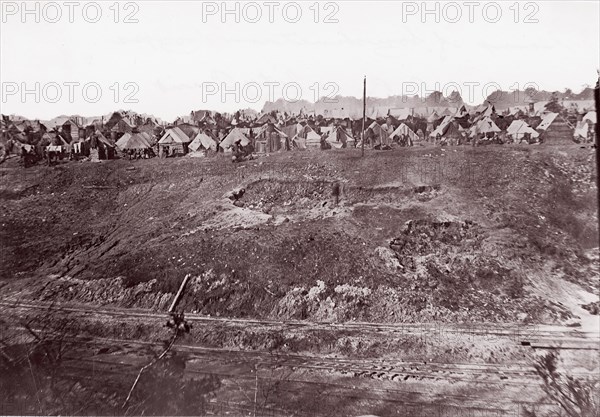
column 478, row 234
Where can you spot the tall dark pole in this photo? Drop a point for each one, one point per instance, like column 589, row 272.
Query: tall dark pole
column 597, row 99
column 364, row 115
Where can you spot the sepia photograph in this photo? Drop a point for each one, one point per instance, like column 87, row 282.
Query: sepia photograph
column 300, row 208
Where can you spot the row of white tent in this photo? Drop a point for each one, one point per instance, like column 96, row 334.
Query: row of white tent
column 172, row 137
column 517, row 129
column 306, row 137
column 483, row 126
column 539, row 109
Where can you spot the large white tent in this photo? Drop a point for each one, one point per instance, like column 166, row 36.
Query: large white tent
column 232, row 138
column 203, row 140
column 404, row 130
column 518, row 129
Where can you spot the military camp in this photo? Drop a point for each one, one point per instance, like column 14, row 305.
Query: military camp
column 126, row 134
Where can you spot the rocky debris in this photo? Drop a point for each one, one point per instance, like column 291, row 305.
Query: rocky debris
column 579, row 173
column 457, row 266
column 427, row 192
column 389, row 257
column 323, row 303
column 421, row 237
column 238, row 217
column 573, row 322
column 236, row 194
column 300, row 193
column 297, row 199
column 104, row 292
column 427, row 188
column 593, row 308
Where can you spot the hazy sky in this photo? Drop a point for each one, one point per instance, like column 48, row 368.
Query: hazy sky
column 182, row 55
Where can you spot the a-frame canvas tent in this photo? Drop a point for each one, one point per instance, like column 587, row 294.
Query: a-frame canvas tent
column 441, row 127
column 590, row 117
column 519, row 128
column 176, row 140
column 174, row 136
column 102, row 139
column 132, row 142
column 267, row 128
column 461, row 112
column 452, row 130
column 306, row 137
column 487, row 125
column 338, row 137
column 404, row 130
column 269, row 138
column 234, row 136
column 202, row 140
column 378, row 134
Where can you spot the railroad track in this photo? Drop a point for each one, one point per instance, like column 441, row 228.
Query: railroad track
column 543, row 335
column 216, row 361
column 384, row 370
column 204, row 360
column 398, row 373
column 394, row 370
column 398, row 398
column 333, row 388
column 200, row 359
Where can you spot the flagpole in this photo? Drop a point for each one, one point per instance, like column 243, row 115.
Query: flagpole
column 364, row 114
column 597, row 102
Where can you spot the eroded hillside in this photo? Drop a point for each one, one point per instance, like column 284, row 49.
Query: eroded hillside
column 494, row 233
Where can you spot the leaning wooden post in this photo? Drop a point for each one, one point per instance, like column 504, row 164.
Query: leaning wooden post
column 178, row 295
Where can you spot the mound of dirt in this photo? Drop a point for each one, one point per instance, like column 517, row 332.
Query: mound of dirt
column 404, row 235
column 593, row 308
column 109, row 291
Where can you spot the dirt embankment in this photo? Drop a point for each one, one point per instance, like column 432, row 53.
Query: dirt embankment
column 434, row 234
